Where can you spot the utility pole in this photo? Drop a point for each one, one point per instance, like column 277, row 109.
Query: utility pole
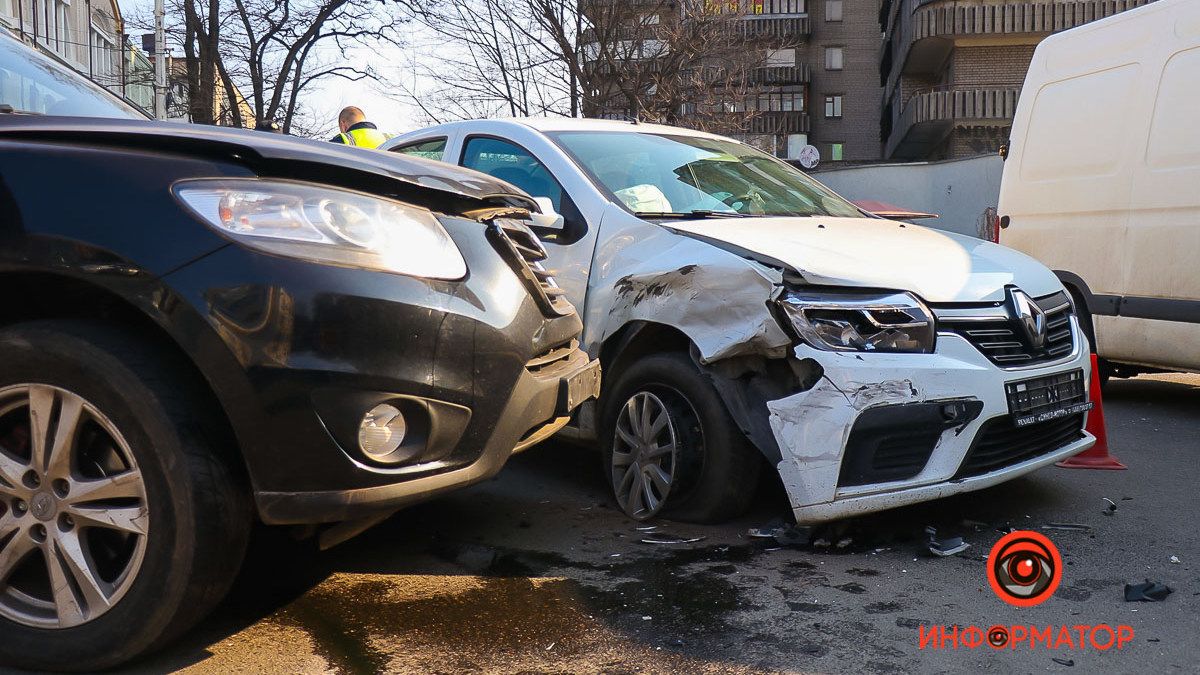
column 160, row 61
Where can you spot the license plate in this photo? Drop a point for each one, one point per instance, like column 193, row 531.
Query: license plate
column 578, row 388
column 1041, row 399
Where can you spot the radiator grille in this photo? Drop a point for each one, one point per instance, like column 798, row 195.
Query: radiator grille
column 1005, row 343
column 525, row 254
column 1002, row 443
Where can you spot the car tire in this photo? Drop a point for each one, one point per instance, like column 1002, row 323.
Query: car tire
column 713, row 470
column 164, row 546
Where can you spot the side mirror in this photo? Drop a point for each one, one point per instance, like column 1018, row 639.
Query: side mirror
column 547, row 219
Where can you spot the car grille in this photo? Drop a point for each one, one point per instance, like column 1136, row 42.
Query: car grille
column 1004, row 341
column 525, row 254
column 1002, row 443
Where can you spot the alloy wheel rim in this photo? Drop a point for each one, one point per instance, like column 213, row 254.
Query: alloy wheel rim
column 645, row 449
column 74, row 516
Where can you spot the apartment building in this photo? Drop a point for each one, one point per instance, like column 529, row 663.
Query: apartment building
column 87, row 34
column 952, row 70
column 816, row 83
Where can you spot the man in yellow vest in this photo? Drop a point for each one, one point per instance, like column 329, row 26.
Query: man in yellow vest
column 357, row 131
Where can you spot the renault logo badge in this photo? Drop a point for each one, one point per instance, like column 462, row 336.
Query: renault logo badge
column 1029, row 315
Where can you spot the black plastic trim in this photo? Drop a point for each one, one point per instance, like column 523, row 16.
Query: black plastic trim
column 1133, row 306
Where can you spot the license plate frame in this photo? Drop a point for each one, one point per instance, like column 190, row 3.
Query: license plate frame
column 1047, row 397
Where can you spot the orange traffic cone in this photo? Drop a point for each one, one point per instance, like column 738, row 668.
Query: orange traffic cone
column 1097, row 456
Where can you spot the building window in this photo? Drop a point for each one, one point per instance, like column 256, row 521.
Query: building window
column 836, row 151
column 102, row 66
column 62, row 19
column 833, row 106
column 833, row 10
column 787, row 100
column 834, row 58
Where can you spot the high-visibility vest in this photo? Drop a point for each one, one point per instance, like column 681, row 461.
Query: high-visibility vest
column 364, row 138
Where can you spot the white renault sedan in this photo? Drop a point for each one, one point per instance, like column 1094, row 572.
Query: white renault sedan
column 743, row 311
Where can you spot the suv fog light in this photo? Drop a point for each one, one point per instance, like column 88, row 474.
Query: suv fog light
column 381, row 431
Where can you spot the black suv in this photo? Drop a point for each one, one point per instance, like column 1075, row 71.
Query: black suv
column 199, row 326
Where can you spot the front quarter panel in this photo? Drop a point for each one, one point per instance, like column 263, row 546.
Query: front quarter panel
column 643, row 272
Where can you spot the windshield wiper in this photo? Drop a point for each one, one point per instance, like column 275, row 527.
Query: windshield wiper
column 697, row 214
column 7, row 109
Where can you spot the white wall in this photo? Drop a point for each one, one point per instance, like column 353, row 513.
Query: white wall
column 958, row 190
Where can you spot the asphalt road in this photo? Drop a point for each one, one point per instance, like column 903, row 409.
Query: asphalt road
column 536, row 571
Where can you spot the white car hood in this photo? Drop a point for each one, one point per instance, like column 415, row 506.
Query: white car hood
column 873, row 253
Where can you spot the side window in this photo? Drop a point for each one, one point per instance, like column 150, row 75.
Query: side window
column 429, row 149
column 514, row 164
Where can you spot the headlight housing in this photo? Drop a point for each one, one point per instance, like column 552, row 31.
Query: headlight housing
column 857, row 322
column 325, row 225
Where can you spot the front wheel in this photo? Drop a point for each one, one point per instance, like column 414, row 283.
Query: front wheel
column 670, row 446
column 119, row 525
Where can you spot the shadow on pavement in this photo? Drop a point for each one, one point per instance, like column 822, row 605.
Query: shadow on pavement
column 537, row 569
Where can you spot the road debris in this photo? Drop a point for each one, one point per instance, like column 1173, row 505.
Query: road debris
column 768, row 530
column 944, row 547
column 1174, row 560
column 662, row 538
column 1150, row 591
column 1069, row 527
column 1111, row 508
column 1063, row 662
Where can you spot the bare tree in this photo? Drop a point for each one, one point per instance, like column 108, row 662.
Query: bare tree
column 688, row 62
column 490, row 62
column 268, row 53
column 281, row 48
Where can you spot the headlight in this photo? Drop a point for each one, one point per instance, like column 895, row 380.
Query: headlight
column 326, row 225
column 897, row 322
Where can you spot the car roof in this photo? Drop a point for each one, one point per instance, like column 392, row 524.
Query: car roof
column 547, row 124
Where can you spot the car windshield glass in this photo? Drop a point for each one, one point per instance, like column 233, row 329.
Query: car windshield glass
column 677, row 176
column 34, row 84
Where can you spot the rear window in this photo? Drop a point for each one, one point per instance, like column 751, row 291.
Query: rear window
column 35, row 84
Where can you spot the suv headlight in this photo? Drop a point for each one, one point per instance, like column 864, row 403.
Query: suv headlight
column 845, row 322
column 326, row 225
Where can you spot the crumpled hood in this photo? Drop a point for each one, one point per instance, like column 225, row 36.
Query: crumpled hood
column 874, row 253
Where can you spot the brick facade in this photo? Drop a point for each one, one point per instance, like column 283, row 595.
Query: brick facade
column 989, row 65
column 953, row 69
column 858, row 82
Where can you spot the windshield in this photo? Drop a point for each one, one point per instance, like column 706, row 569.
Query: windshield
column 661, row 175
column 34, row 84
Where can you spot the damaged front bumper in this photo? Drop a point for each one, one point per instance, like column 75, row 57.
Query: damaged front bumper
column 882, row 430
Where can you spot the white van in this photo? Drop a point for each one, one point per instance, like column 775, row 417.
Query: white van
column 1102, row 182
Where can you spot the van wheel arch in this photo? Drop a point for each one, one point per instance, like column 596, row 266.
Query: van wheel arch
column 1084, row 301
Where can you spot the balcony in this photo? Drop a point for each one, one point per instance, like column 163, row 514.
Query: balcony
column 930, row 115
column 777, row 29
column 783, row 122
column 781, row 75
column 923, row 32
